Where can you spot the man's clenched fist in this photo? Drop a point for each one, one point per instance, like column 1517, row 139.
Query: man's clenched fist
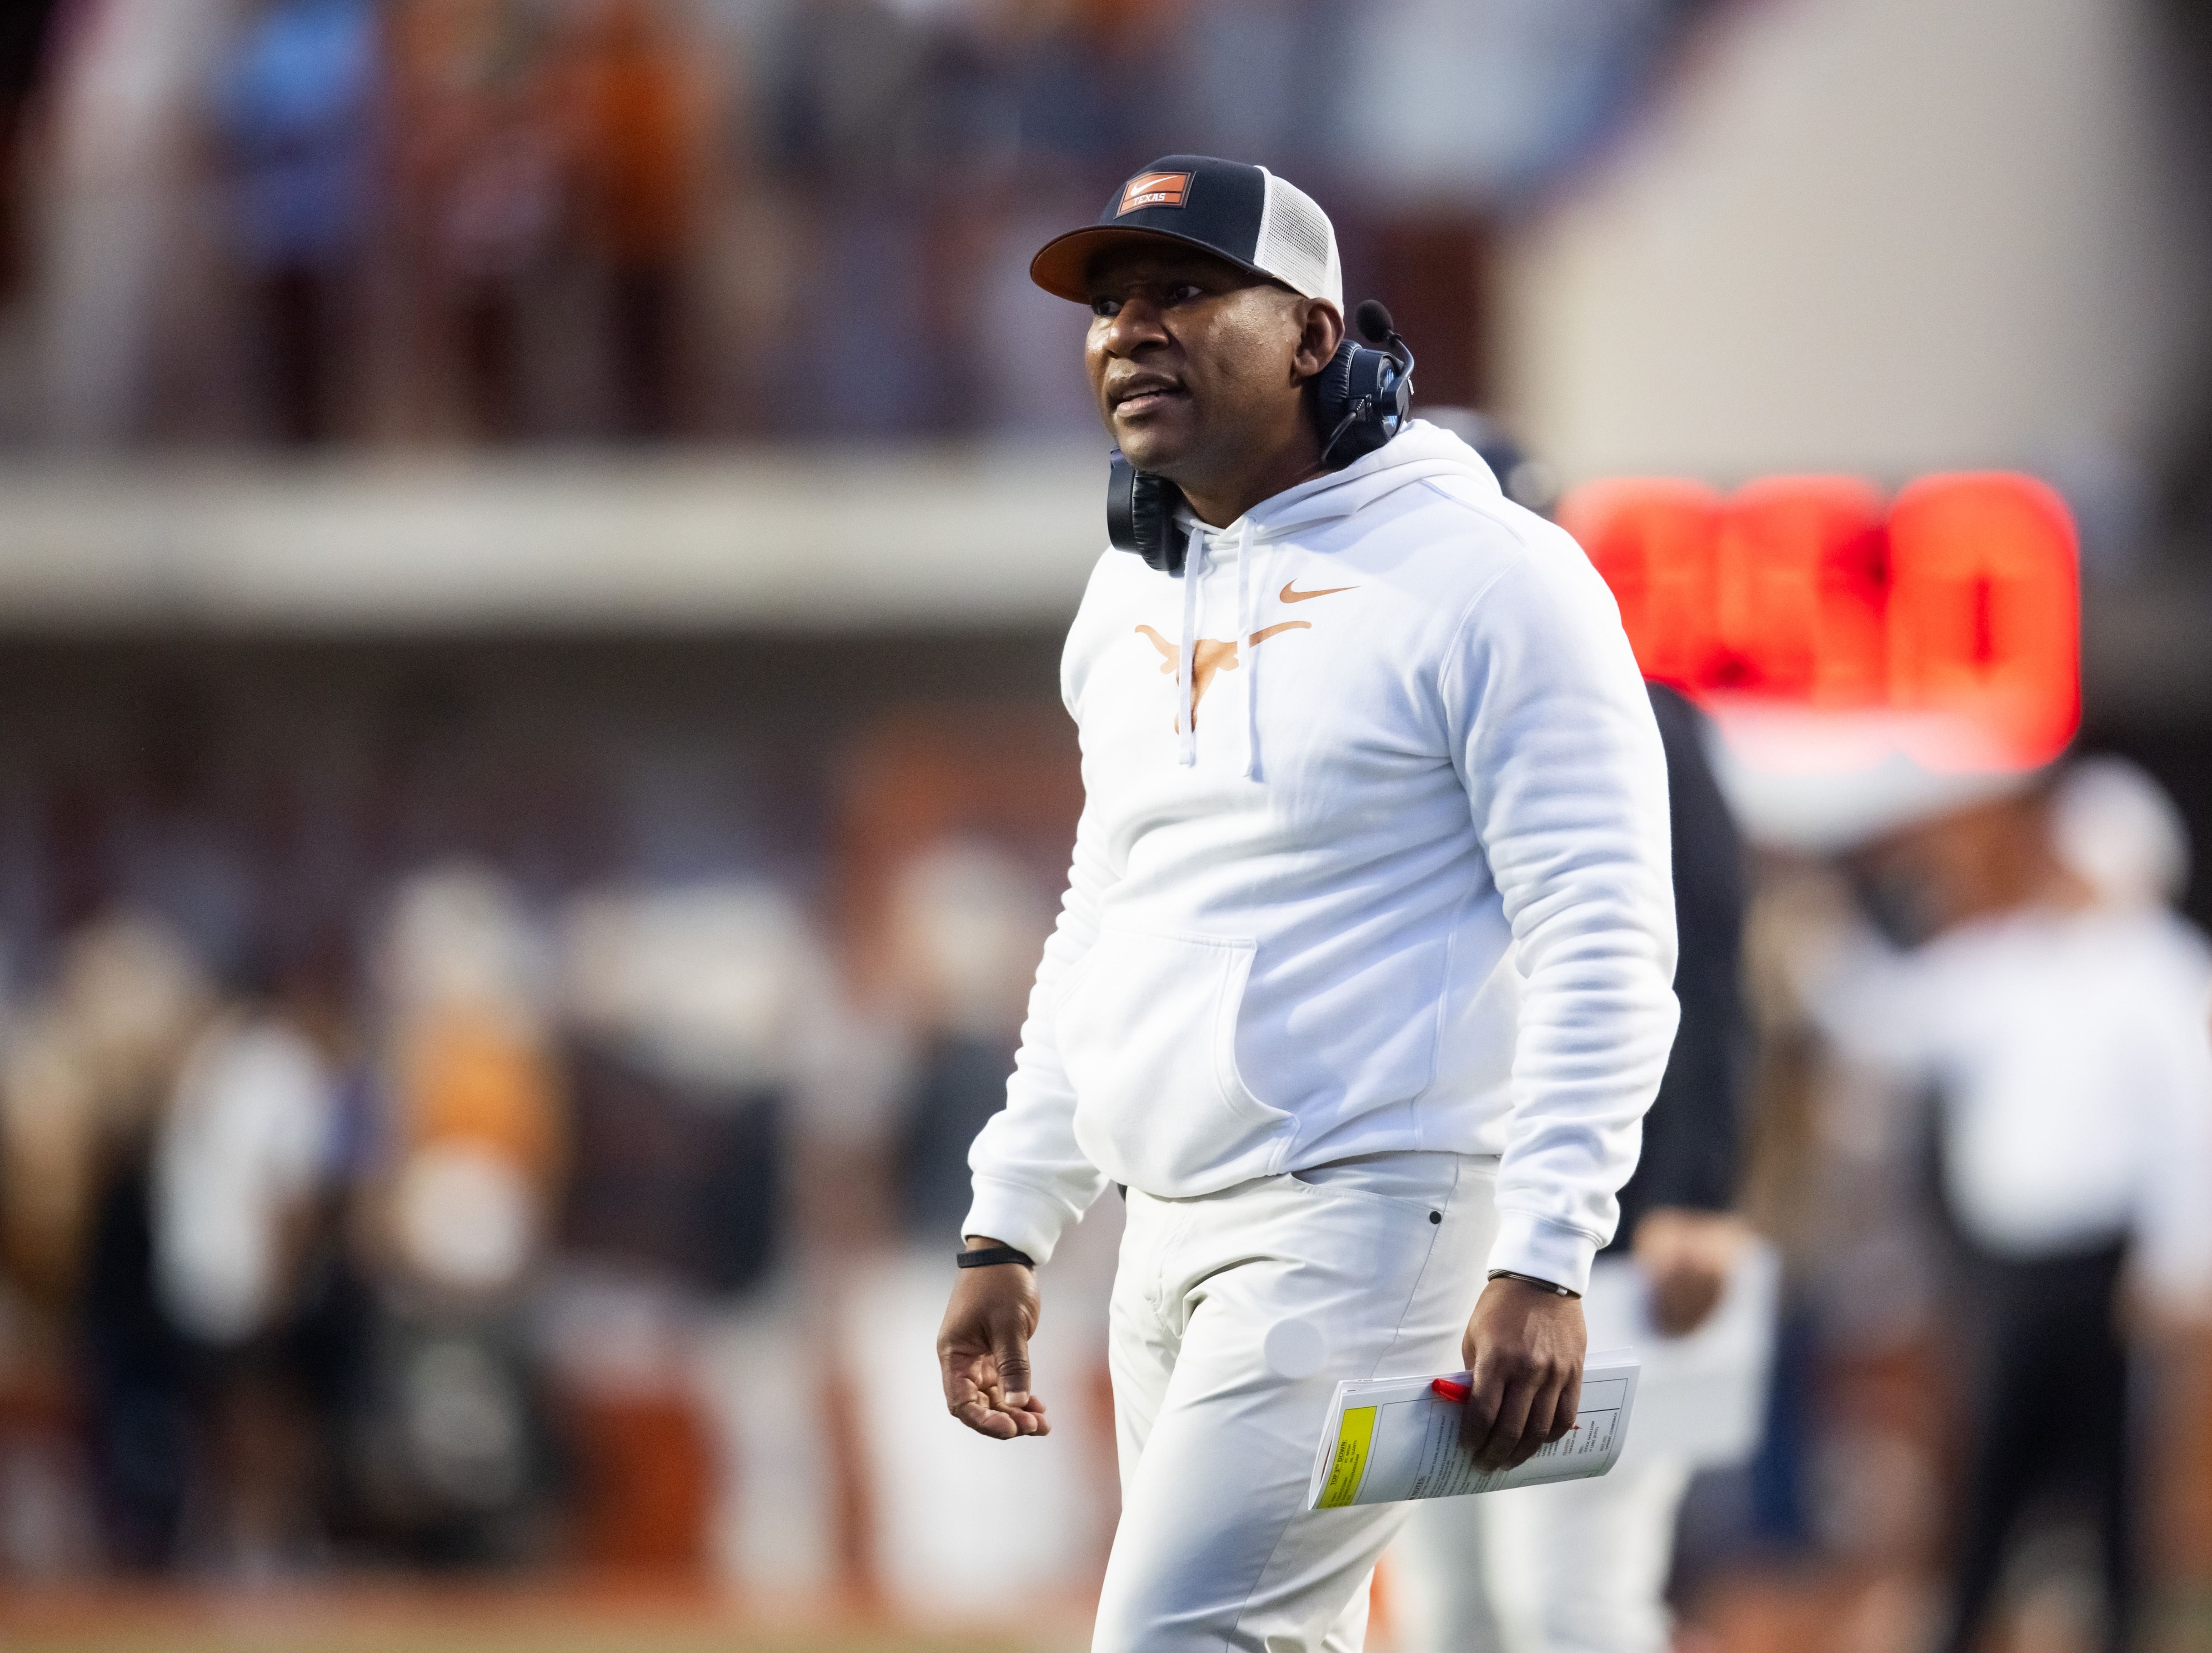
column 1524, row 1347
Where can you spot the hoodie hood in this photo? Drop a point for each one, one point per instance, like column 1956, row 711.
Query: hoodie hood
column 1414, row 454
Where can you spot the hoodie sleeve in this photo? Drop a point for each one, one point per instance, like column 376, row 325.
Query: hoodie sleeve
column 1567, row 782
column 1031, row 1180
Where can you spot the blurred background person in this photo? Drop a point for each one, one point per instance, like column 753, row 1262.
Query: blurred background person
column 298, row 110
column 964, row 923
column 477, row 169
column 450, row 1448
column 243, row 1159
column 687, row 1329
column 965, row 918
column 87, row 1089
column 2055, row 1014
column 127, row 84
column 633, row 97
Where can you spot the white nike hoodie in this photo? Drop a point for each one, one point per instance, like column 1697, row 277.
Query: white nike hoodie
column 1401, row 882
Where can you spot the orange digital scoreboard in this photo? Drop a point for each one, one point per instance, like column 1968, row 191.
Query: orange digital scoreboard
column 1948, row 616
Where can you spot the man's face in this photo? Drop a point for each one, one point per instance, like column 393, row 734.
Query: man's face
column 1196, row 364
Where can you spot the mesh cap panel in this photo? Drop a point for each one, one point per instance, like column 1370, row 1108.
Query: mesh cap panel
column 1297, row 244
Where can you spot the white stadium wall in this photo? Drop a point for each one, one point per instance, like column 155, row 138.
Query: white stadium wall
column 1875, row 235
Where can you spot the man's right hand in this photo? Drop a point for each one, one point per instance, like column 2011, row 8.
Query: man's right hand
column 983, row 1349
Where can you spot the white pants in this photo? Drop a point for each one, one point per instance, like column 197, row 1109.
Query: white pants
column 1575, row 1567
column 1233, row 1316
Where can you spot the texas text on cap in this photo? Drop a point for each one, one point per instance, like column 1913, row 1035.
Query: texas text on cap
column 1243, row 214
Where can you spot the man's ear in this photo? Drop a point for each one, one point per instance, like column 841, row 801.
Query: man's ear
column 1321, row 331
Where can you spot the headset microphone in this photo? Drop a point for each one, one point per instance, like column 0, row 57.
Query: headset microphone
column 1362, row 399
column 1363, row 396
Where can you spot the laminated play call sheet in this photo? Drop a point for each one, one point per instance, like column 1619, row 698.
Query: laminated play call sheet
column 1398, row 1438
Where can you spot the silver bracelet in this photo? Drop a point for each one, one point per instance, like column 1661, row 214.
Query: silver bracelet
column 1553, row 1286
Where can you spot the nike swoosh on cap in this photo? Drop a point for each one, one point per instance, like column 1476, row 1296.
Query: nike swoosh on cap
column 1289, row 596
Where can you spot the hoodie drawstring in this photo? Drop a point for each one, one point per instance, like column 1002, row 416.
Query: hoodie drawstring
column 1194, row 570
column 1195, row 558
column 1245, row 654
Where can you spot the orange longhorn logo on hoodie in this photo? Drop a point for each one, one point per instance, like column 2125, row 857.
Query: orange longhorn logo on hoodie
column 1212, row 655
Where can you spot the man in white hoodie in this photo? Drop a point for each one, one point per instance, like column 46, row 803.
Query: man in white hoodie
column 1361, row 984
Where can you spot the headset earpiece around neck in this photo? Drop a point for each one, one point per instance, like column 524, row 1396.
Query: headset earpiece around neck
column 1362, row 399
column 1141, row 515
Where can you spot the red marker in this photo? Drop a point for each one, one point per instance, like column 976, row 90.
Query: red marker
column 1451, row 1389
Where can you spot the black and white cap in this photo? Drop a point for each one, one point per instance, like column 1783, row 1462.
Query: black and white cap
column 1243, row 214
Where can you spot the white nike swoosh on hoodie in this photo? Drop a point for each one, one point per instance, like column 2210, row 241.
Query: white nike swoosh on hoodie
column 1403, row 885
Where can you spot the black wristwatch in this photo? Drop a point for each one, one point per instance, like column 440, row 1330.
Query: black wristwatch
column 987, row 1256
column 1553, row 1286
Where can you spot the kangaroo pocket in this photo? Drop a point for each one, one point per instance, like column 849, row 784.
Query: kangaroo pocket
column 1147, row 1031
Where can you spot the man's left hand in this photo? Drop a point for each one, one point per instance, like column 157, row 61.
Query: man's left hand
column 1524, row 1347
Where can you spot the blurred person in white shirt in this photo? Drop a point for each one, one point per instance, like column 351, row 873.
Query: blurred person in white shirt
column 240, row 1160
column 240, row 1153
column 2055, row 1010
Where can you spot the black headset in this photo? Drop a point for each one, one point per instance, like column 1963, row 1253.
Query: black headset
column 1361, row 400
